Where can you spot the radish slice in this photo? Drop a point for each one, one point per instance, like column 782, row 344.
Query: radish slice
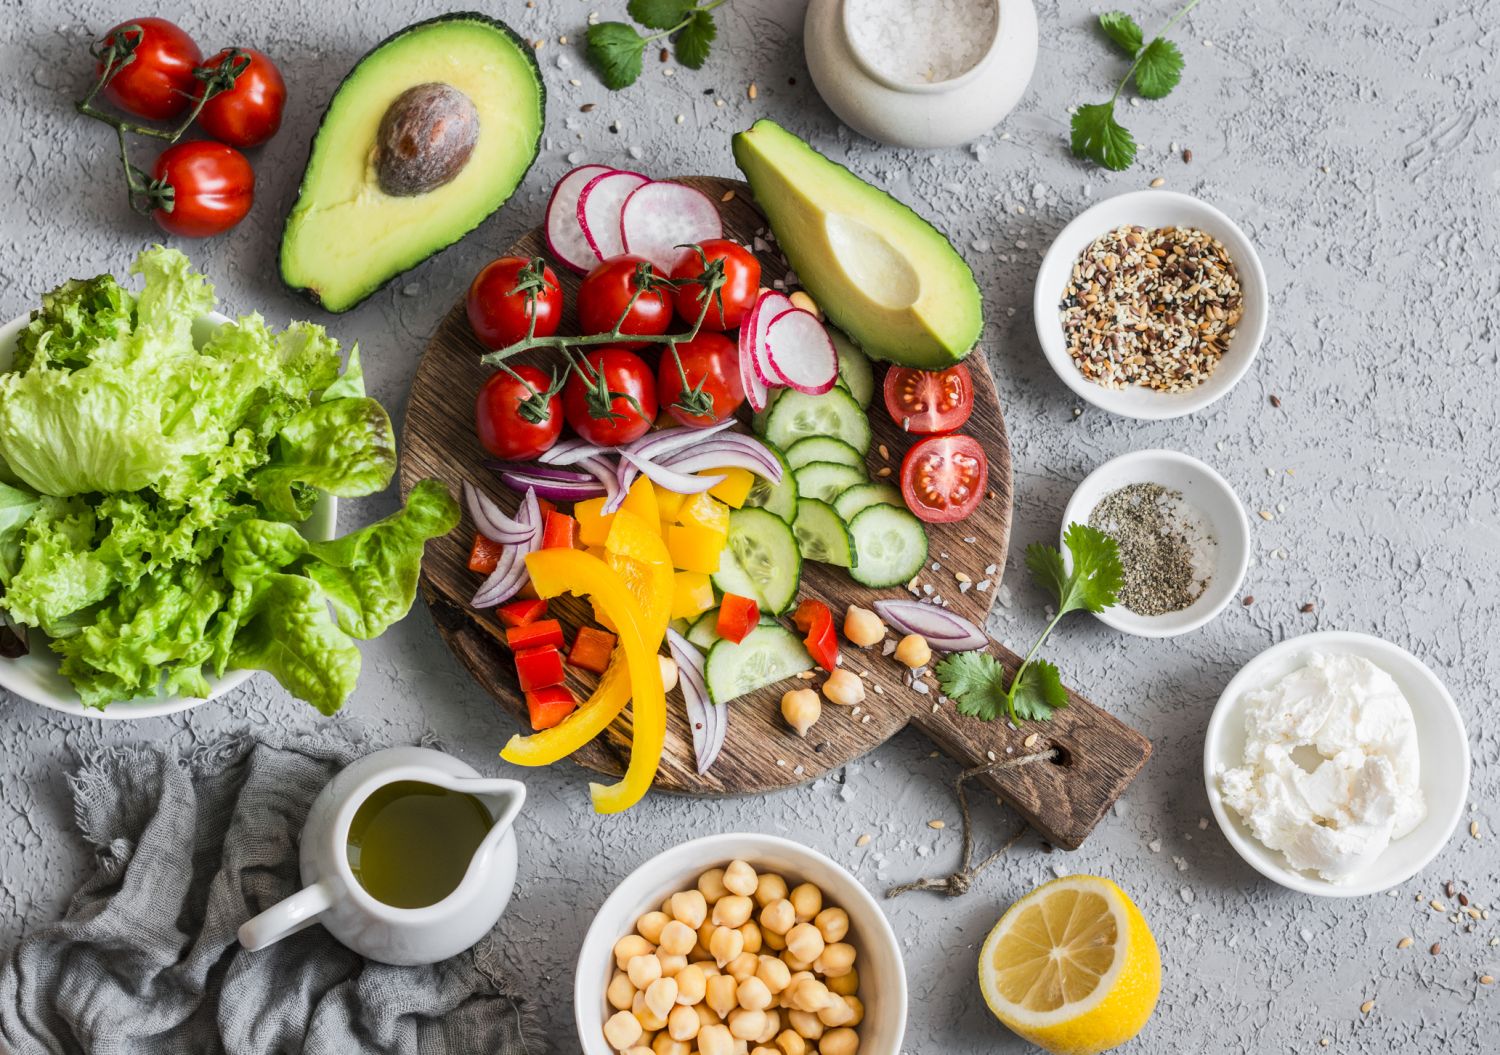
column 768, row 309
column 599, row 206
column 755, row 388
column 659, row 217
column 564, row 236
column 801, row 351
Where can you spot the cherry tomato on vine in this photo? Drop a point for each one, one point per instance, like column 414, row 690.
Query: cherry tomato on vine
column 710, row 364
column 498, row 308
column 506, row 428
column 604, row 298
column 928, row 401
column 629, row 410
column 737, row 294
column 158, row 82
column 211, row 188
column 943, row 477
column 249, row 113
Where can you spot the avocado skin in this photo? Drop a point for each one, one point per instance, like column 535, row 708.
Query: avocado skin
column 311, row 295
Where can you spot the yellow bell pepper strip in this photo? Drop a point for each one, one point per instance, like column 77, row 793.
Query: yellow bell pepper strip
column 705, row 511
column 641, row 500
column 667, row 504
column 695, row 548
column 557, row 571
column 637, row 553
column 734, row 488
column 692, row 594
column 593, row 522
column 592, row 718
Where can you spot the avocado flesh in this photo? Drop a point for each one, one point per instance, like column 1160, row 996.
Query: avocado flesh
column 880, row 272
column 345, row 237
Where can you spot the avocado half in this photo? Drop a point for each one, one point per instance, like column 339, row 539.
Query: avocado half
column 427, row 136
column 880, row 272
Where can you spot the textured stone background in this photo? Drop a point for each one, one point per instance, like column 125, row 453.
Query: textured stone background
column 1357, row 144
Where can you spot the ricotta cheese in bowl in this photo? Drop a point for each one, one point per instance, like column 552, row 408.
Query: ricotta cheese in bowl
column 1331, row 772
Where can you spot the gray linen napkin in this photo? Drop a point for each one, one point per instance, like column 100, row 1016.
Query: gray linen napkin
column 145, row 958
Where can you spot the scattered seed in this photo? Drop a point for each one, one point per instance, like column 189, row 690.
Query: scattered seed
column 680, row 119
column 1463, row 899
column 863, row 840
column 990, row 755
column 1436, row 948
column 936, row 824
column 1473, row 829
column 1367, row 1007
column 884, row 470
column 961, row 577
column 1249, row 600
column 1187, row 159
column 1158, row 182
column 663, row 55
column 885, row 453
column 1404, row 943
column 1448, row 888
column 1486, row 979
column 1031, row 740
column 1275, row 400
column 752, row 91
column 727, row 196
column 1266, row 514
column 537, row 44
column 588, row 108
column 1437, row 906
column 1306, row 608
column 1473, row 913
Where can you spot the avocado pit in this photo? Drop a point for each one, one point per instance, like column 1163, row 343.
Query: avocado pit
column 425, row 139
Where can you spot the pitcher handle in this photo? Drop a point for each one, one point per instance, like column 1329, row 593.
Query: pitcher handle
column 287, row 916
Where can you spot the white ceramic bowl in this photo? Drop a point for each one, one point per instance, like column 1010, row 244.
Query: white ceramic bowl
column 1203, row 488
column 1442, row 744
column 1150, row 208
column 35, row 676
column 882, row 976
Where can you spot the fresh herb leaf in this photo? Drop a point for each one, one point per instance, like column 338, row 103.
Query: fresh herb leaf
column 1096, row 576
column 1100, row 138
column 660, row 14
column 695, row 39
column 975, row 682
column 1159, row 69
column 1037, row 692
column 1123, row 30
column 615, row 49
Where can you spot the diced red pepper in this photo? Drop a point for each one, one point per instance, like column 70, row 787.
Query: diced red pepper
column 736, row 616
column 546, row 507
column 815, row 620
column 484, row 554
column 559, row 531
column 537, row 668
column 520, row 613
column 547, row 707
column 544, row 633
column 592, row 649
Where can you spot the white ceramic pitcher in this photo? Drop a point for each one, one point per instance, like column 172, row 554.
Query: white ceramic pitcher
column 334, row 897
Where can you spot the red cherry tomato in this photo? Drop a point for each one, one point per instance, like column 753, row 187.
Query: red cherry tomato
column 943, row 477
column 928, row 401
column 710, row 363
column 158, row 82
column 498, row 308
column 605, row 295
column 504, row 429
column 249, row 113
column 212, row 188
column 737, row 294
column 631, row 408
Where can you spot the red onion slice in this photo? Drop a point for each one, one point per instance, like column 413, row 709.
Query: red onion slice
column 489, row 520
column 682, row 483
column 734, row 450
column 510, row 572
column 944, row 630
column 709, row 721
column 570, row 452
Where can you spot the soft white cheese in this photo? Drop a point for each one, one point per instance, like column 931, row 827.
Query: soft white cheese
column 1331, row 773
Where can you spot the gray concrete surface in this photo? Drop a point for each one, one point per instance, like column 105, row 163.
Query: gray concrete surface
column 1357, row 144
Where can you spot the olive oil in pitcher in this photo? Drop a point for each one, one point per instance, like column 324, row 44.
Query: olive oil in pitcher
column 410, row 843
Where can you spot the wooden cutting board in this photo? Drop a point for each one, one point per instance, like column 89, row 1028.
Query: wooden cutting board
column 1098, row 756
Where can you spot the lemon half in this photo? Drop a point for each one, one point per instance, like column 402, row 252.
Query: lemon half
column 1072, row 967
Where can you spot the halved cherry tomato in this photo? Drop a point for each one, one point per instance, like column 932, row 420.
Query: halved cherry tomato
column 498, row 308
column 592, row 649
column 249, row 113
column 520, row 613
column 629, row 411
column 484, row 554
column 815, row 620
column 737, row 615
column 158, row 81
column 604, row 299
column 544, row 633
column 559, row 531
column 733, row 299
column 536, row 668
column 943, row 477
column 548, row 707
column 710, row 364
column 929, row 401
column 505, row 429
column 211, row 186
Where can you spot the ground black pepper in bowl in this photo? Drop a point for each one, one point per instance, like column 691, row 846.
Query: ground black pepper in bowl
column 1166, row 546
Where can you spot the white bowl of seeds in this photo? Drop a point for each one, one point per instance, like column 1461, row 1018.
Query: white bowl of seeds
column 1151, row 304
column 1182, row 533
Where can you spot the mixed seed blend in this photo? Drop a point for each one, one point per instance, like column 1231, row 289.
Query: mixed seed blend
column 1154, row 307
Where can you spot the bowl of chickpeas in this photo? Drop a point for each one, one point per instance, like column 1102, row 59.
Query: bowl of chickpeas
column 740, row 944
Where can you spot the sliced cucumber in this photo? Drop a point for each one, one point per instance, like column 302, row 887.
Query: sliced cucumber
column 821, row 534
column 860, row 496
column 766, row 655
column 797, row 415
column 823, row 449
column 781, row 498
column 855, row 372
column 760, row 560
column 758, row 419
column 891, row 543
column 705, row 629
column 825, row 481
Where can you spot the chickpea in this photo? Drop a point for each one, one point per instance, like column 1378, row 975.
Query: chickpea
column 837, row 959
column 677, row 939
column 779, row 916
column 711, row 884
column 661, row 996
column 914, row 651
column 715, row 1040
column 726, row 944
column 810, row 995
column 761, row 1050
column 649, row 926
column 842, row 1041
column 639, row 1049
column 769, row 887
column 691, row 985
column 843, row 985
column 832, row 923
column 690, row 907
column 801, row 709
column 797, row 976
column 774, row 942
column 682, row 1023
column 705, row 931
column 797, row 966
column 844, row 687
column 707, row 1016
column 858, row 1007
column 649, row 1020
column 806, row 1024
column 807, row 900
column 804, row 942
column 789, row 1042
column 668, row 667
column 837, row 1013
column 746, row 1025
column 666, row 906
column 863, row 627
column 665, row 1045
column 775, row 974
column 630, row 946
column 753, row 994
column 773, row 1027
column 620, row 992
column 742, row 966
column 643, row 970
column 622, row 1030
column 722, row 994
column 740, row 878
column 671, row 965
column 752, row 936
column 733, row 910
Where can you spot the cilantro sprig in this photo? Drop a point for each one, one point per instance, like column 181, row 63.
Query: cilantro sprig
column 616, row 48
column 1157, row 69
column 975, row 681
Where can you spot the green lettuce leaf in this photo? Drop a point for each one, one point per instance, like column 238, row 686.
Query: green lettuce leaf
column 16, row 509
column 346, row 448
column 74, row 321
column 59, row 573
column 289, row 632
